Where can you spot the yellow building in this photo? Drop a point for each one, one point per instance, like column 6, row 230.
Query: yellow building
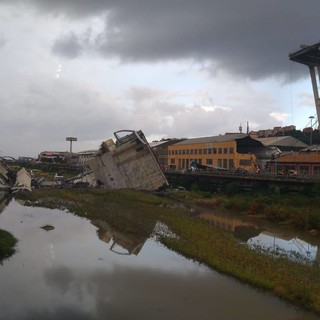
column 230, row 151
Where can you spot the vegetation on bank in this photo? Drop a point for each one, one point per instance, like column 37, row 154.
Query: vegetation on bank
column 301, row 211
column 134, row 212
column 7, row 245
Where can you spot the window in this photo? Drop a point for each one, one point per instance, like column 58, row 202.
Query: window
column 209, row 151
column 191, row 151
column 225, row 150
column 316, row 170
column 172, row 161
column 245, row 163
column 175, row 152
column 214, row 150
column 200, row 151
column 220, row 150
column 179, row 151
column 304, row 169
column 187, row 151
column 231, row 164
column 225, row 163
column 204, row 151
column 195, row 151
column 231, row 150
column 209, row 161
column 220, row 163
column 183, row 151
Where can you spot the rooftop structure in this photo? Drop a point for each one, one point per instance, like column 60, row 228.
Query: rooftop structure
column 284, row 143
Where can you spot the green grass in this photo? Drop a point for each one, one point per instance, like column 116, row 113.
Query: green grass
column 136, row 212
column 298, row 210
column 7, row 245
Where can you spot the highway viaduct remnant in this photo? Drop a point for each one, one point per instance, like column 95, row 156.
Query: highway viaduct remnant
column 215, row 181
column 310, row 56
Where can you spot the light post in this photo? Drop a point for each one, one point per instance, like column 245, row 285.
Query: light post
column 311, row 117
column 71, row 139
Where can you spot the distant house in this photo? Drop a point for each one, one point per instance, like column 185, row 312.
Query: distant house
column 52, row 156
column 306, row 162
column 85, row 156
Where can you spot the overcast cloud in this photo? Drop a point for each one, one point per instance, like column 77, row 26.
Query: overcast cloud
column 170, row 68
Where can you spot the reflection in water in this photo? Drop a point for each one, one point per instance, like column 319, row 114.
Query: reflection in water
column 294, row 248
column 130, row 242
column 4, row 200
column 67, row 273
column 261, row 236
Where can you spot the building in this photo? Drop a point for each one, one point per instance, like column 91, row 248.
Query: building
column 86, row 156
column 272, row 132
column 231, row 151
column 284, row 143
column 306, row 162
column 160, row 150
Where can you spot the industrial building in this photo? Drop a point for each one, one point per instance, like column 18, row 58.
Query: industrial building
column 230, row 151
column 306, row 162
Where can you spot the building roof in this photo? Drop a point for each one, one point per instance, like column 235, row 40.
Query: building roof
column 313, row 148
column 220, row 138
column 282, row 141
column 305, row 157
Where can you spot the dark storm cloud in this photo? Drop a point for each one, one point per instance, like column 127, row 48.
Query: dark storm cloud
column 68, row 46
column 250, row 38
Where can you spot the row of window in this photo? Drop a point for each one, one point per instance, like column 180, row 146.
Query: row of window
column 185, row 163
column 202, row 151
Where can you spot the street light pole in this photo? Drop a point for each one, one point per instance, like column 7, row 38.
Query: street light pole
column 71, row 139
column 311, row 117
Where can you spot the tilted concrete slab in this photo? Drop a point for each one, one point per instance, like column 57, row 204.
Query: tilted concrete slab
column 7, row 177
column 128, row 163
column 23, row 181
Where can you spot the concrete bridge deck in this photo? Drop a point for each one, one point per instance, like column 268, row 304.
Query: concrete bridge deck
column 213, row 181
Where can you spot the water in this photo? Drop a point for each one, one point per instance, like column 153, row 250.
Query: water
column 260, row 235
column 77, row 271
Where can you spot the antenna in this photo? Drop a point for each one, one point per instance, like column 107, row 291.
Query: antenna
column 240, row 128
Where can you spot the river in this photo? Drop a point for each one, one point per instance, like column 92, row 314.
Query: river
column 84, row 270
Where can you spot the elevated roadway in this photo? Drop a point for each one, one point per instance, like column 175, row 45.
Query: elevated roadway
column 212, row 181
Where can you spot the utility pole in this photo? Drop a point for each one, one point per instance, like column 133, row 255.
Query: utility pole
column 311, row 117
column 71, row 139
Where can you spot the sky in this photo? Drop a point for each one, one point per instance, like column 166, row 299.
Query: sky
column 173, row 69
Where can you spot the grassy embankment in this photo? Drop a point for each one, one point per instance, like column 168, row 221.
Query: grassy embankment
column 7, row 245
column 301, row 211
column 131, row 211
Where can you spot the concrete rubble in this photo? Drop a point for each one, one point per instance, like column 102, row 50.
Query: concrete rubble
column 127, row 163
column 7, row 177
column 11, row 182
column 23, row 181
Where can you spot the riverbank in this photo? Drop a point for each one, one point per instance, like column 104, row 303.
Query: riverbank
column 300, row 211
column 7, row 245
column 131, row 211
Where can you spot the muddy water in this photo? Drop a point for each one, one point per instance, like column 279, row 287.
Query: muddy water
column 258, row 234
column 77, row 271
